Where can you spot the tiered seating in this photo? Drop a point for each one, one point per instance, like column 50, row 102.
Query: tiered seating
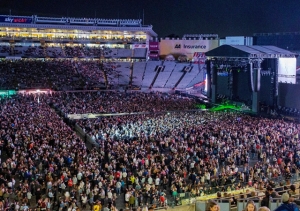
column 164, row 75
column 94, row 52
column 121, row 75
column 138, row 73
column 18, row 50
column 175, row 76
column 34, row 52
column 54, row 52
column 124, row 53
column 74, row 51
column 150, row 73
column 139, row 52
column 111, row 52
column 32, row 73
column 200, row 77
column 5, row 50
column 91, row 72
column 188, row 77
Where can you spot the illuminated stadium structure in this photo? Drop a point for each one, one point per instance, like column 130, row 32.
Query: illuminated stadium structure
column 61, row 32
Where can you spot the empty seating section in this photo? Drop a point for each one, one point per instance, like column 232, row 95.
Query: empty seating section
column 197, row 79
column 138, row 73
column 110, row 52
column 150, row 73
column 124, row 53
column 200, row 77
column 139, row 52
column 163, row 76
column 188, row 77
column 175, row 76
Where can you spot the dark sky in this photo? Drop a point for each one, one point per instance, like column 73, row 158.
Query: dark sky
column 224, row 17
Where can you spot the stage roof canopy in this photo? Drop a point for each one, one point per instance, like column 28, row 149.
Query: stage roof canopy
column 253, row 51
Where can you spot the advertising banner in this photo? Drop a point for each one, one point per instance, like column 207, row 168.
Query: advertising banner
column 199, row 58
column 186, row 47
column 153, row 46
column 11, row 19
column 139, row 46
column 153, row 55
column 287, row 70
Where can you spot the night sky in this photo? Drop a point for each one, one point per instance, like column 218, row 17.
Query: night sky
column 224, row 17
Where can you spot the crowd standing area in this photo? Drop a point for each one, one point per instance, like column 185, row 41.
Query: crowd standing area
column 120, row 102
column 144, row 160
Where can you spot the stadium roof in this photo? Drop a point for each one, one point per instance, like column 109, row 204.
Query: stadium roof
column 253, row 51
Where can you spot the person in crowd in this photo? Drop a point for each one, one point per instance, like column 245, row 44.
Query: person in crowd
column 212, row 206
column 265, row 202
column 287, row 203
column 250, row 206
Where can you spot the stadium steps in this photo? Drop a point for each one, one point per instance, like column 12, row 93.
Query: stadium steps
column 183, row 74
column 199, row 77
column 158, row 69
column 164, row 75
column 150, row 73
column 138, row 72
column 192, row 72
column 175, row 75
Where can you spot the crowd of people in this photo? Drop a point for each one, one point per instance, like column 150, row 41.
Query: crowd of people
column 60, row 74
column 120, row 102
column 55, row 74
column 60, row 51
column 199, row 153
column 145, row 157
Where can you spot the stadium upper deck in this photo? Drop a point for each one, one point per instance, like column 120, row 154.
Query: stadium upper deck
column 16, row 29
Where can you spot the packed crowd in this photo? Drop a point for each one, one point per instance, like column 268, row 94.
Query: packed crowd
column 92, row 72
column 35, row 52
column 43, row 153
column 120, row 102
column 59, row 51
column 143, row 157
column 198, row 153
column 26, row 73
column 58, row 74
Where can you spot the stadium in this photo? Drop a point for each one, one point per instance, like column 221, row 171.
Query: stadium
column 97, row 114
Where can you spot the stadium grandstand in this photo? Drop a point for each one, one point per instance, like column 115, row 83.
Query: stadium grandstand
column 34, row 36
column 104, row 52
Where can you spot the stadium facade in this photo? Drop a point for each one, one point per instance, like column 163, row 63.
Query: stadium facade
column 92, row 32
